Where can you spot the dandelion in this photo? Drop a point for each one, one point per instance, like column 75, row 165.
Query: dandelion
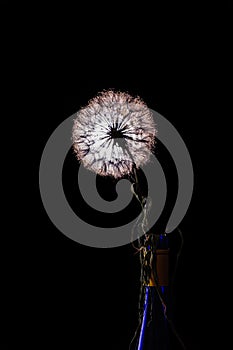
column 114, row 134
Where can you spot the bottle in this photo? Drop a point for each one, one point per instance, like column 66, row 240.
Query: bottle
column 156, row 329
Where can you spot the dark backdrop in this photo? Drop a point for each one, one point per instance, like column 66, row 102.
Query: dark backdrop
column 61, row 293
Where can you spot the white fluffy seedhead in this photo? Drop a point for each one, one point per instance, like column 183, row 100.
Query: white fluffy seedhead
column 113, row 134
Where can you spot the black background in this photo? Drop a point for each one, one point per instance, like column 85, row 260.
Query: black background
column 59, row 292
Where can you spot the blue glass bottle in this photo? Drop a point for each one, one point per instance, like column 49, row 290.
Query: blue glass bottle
column 154, row 333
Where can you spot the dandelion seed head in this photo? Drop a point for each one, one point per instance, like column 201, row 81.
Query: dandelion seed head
column 113, row 134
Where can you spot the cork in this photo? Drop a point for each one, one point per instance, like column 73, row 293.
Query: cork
column 162, row 266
